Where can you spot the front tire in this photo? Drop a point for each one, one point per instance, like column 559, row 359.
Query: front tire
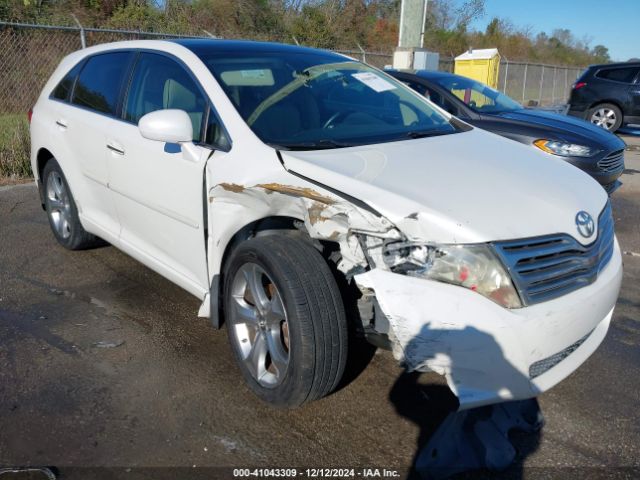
column 62, row 210
column 285, row 320
column 607, row 116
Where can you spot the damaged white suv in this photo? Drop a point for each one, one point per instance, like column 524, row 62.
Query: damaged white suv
column 304, row 196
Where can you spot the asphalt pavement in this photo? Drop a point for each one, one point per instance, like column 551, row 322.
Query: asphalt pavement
column 104, row 363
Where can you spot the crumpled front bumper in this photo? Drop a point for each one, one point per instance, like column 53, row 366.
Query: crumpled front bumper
column 489, row 353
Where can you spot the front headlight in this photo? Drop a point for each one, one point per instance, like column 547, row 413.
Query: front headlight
column 565, row 149
column 472, row 266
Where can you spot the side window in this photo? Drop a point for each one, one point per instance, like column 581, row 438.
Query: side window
column 158, row 83
column 421, row 89
column 624, row 75
column 214, row 133
column 441, row 101
column 435, row 97
column 432, row 95
column 99, row 83
column 63, row 89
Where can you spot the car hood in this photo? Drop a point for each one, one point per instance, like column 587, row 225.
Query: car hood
column 564, row 126
column 462, row 188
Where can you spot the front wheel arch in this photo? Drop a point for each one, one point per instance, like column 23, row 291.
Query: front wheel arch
column 314, row 316
column 282, row 225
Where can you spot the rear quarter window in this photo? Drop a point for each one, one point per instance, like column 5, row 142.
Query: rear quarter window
column 100, row 81
column 622, row 75
column 63, row 89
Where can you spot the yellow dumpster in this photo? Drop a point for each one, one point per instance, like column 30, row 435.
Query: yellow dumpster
column 482, row 65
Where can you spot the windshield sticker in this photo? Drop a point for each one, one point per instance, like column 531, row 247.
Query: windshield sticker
column 373, row 81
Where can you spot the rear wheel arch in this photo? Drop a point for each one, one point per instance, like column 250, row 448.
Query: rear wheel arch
column 62, row 210
column 602, row 102
column 42, row 157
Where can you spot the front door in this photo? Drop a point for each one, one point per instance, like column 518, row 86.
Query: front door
column 157, row 190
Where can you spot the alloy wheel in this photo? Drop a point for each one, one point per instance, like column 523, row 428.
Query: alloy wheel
column 259, row 325
column 59, row 205
column 604, row 117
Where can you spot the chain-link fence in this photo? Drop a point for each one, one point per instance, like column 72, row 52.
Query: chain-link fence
column 377, row 59
column 532, row 83
column 30, row 53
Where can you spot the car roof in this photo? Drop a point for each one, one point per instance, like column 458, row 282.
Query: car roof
column 614, row 65
column 212, row 46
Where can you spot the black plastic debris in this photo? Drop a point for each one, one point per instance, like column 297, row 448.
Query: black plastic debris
column 477, row 439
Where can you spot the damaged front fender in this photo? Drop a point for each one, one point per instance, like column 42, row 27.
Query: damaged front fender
column 323, row 216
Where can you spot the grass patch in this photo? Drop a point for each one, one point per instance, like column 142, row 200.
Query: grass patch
column 15, row 147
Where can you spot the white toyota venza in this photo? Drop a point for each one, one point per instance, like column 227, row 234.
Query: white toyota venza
column 307, row 199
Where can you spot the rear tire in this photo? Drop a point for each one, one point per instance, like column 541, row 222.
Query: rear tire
column 62, row 211
column 606, row 115
column 285, row 320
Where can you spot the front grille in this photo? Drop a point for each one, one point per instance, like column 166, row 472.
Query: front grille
column 538, row 368
column 612, row 162
column 548, row 267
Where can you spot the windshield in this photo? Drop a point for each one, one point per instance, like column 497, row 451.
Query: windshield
column 478, row 96
column 309, row 101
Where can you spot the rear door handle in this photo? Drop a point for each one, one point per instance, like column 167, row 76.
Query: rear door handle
column 61, row 123
column 115, row 148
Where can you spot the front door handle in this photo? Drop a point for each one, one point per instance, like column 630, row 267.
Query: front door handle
column 61, row 123
column 115, row 148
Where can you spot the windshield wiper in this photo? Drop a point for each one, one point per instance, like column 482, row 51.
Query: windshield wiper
column 323, row 144
column 427, row 133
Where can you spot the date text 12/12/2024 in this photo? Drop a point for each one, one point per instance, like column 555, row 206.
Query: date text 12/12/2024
column 315, row 473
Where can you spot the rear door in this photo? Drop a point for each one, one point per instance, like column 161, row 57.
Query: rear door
column 158, row 191
column 81, row 124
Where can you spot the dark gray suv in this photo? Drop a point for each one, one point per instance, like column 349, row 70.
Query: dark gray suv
column 608, row 95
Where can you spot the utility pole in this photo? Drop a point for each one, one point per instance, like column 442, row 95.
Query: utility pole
column 413, row 19
column 410, row 52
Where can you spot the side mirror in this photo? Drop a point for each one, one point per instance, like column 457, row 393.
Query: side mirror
column 170, row 126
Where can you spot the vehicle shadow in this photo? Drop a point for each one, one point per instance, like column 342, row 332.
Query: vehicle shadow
column 486, row 442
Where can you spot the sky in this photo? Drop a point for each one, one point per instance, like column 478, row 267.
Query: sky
column 612, row 23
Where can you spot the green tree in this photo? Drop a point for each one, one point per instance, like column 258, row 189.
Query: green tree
column 601, row 54
column 313, row 27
